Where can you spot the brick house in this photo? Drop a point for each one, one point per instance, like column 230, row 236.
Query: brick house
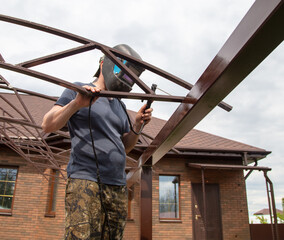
column 201, row 164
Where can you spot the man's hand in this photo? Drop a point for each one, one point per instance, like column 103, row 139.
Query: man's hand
column 83, row 100
column 143, row 115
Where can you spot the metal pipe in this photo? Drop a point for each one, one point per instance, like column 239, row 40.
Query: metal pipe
column 269, row 188
column 245, row 49
column 245, row 158
column 89, row 45
column 30, row 93
column 66, row 84
column 204, row 203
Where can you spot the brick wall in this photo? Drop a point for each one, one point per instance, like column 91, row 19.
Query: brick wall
column 132, row 228
column 28, row 219
column 235, row 222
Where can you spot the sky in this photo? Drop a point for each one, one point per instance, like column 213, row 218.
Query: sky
column 181, row 38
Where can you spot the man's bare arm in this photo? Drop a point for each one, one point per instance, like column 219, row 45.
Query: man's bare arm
column 130, row 139
column 58, row 116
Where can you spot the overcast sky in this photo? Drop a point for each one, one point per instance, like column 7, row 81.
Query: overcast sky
column 181, row 38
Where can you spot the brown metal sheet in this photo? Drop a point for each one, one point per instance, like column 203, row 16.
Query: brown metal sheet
column 257, row 35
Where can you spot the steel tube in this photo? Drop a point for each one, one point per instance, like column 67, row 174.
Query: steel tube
column 272, row 208
column 244, row 50
column 105, row 49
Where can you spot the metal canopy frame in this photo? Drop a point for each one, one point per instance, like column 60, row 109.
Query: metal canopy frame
column 112, row 53
column 258, row 34
column 26, row 138
column 26, row 120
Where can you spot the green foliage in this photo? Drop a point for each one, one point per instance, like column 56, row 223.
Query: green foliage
column 262, row 219
column 280, row 217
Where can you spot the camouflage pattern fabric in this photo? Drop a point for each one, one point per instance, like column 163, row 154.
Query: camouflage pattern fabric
column 85, row 218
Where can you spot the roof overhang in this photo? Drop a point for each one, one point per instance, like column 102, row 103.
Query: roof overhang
column 251, row 156
column 226, row 167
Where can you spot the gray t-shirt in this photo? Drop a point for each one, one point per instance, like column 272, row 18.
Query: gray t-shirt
column 109, row 123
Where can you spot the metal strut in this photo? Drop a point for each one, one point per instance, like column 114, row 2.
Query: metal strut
column 272, row 207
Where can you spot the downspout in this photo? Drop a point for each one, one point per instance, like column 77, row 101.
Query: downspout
column 269, row 188
column 204, row 202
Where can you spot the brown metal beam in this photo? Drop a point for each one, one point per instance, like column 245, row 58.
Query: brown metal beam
column 13, row 146
column 23, row 135
column 19, row 121
column 56, row 56
column 272, row 207
column 257, row 35
column 66, row 84
column 89, row 45
column 146, row 203
column 44, row 28
column 29, row 92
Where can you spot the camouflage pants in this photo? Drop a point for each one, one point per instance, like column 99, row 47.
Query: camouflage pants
column 85, row 218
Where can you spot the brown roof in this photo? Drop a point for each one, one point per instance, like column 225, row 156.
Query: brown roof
column 265, row 211
column 37, row 106
column 195, row 140
column 198, row 140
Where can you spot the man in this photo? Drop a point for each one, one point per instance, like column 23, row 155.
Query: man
column 94, row 210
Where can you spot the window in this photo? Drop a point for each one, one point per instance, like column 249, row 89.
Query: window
column 8, row 177
column 52, row 192
column 169, row 197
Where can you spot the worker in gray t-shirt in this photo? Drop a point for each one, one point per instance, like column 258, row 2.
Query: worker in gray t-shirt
column 96, row 172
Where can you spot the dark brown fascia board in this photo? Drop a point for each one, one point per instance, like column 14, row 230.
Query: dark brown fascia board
column 209, row 153
column 226, row 167
column 241, row 151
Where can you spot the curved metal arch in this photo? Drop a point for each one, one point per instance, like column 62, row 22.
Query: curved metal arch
column 110, row 52
column 20, row 132
column 66, row 84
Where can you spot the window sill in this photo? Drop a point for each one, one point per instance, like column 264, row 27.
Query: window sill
column 130, row 220
column 5, row 214
column 50, row 215
column 170, row 221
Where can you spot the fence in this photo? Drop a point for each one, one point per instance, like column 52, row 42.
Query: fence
column 264, row 232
